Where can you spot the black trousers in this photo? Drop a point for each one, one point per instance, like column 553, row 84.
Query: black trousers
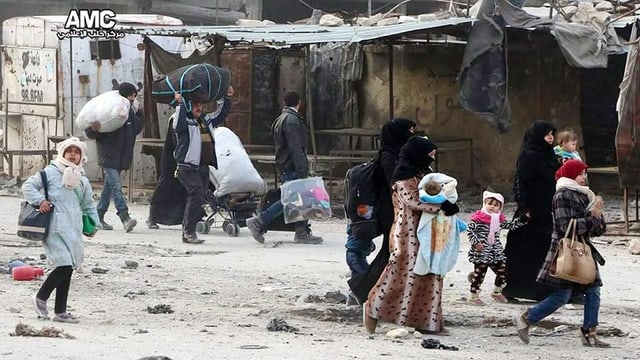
column 60, row 280
column 196, row 183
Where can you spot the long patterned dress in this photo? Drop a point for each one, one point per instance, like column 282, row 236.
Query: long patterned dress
column 400, row 296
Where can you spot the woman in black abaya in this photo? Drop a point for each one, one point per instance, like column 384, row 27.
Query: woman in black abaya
column 394, row 134
column 534, row 187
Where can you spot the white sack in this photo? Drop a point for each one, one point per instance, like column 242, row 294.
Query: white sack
column 235, row 171
column 110, row 109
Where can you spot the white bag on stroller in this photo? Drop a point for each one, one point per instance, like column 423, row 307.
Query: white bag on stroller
column 235, row 172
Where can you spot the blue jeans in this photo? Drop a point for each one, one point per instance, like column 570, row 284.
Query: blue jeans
column 357, row 252
column 112, row 188
column 276, row 209
column 554, row 301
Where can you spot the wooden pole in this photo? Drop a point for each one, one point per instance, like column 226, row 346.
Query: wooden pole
column 391, row 95
column 309, row 103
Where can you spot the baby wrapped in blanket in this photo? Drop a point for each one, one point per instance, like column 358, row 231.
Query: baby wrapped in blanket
column 439, row 235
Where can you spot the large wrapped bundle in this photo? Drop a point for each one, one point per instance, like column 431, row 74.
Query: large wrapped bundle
column 235, row 172
column 110, row 109
column 200, row 82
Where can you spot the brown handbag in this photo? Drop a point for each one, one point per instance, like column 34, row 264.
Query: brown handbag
column 574, row 261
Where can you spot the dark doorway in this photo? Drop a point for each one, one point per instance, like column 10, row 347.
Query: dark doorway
column 598, row 95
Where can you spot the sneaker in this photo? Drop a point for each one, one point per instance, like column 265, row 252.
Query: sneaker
column 191, row 238
column 152, row 225
column 307, row 238
column 476, row 301
column 522, row 326
column 66, row 318
column 255, row 226
column 41, row 307
column 498, row 297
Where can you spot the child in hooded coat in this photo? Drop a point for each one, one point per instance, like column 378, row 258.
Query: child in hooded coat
column 70, row 195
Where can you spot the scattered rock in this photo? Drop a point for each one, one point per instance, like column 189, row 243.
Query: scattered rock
column 141, row 331
column 634, row 246
column 132, row 294
column 27, row 330
column 158, row 357
column 399, row 333
column 130, row 264
column 388, row 21
column 253, row 347
column 281, row 325
column 43, row 257
column 330, row 20
column 14, row 310
column 99, row 270
column 160, row 309
column 331, row 297
column 561, row 328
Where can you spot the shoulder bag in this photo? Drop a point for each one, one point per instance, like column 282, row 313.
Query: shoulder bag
column 574, row 261
column 33, row 224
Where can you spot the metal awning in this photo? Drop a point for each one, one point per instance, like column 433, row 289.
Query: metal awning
column 294, row 34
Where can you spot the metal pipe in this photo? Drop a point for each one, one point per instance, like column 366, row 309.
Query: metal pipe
column 71, row 84
column 369, row 12
column 217, row 10
column 391, row 96
column 6, row 126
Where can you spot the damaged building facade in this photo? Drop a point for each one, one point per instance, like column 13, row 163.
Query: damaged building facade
column 358, row 78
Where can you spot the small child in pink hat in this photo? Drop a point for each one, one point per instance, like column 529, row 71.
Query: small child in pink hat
column 486, row 249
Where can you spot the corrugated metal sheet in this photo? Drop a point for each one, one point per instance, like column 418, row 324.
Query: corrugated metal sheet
column 137, row 19
column 298, row 34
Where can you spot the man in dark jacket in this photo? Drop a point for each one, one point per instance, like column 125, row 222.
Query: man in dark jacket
column 115, row 152
column 290, row 139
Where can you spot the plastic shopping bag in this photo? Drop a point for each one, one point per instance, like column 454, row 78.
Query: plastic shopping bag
column 305, row 199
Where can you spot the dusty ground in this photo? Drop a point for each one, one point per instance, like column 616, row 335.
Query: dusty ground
column 225, row 292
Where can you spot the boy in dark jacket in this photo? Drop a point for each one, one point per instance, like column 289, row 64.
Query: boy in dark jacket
column 115, row 152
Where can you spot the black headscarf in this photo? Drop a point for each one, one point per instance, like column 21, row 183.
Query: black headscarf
column 395, row 134
column 534, row 142
column 414, row 158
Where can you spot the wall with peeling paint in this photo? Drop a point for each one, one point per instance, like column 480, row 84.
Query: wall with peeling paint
column 75, row 68
column 541, row 86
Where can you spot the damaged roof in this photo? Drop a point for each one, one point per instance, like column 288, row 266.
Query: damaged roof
column 296, row 34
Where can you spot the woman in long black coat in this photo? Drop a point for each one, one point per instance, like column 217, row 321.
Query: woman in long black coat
column 534, row 187
column 394, row 134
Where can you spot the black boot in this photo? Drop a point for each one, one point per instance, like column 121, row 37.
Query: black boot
column 127, row 222
column 303, row 235
column 105, row 226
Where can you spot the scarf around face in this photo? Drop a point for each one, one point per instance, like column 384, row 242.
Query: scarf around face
column 492, row 219
column 571, row 184
column 71, row 173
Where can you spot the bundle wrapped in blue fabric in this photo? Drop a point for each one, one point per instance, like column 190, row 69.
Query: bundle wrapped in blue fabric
column 199, row 83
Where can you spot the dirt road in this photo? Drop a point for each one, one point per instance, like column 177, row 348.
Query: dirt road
column 224, row 292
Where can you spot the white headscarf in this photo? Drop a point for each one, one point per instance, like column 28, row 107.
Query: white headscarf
column 71, row 173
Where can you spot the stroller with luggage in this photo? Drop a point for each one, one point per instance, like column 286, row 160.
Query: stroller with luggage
column 234, row 186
